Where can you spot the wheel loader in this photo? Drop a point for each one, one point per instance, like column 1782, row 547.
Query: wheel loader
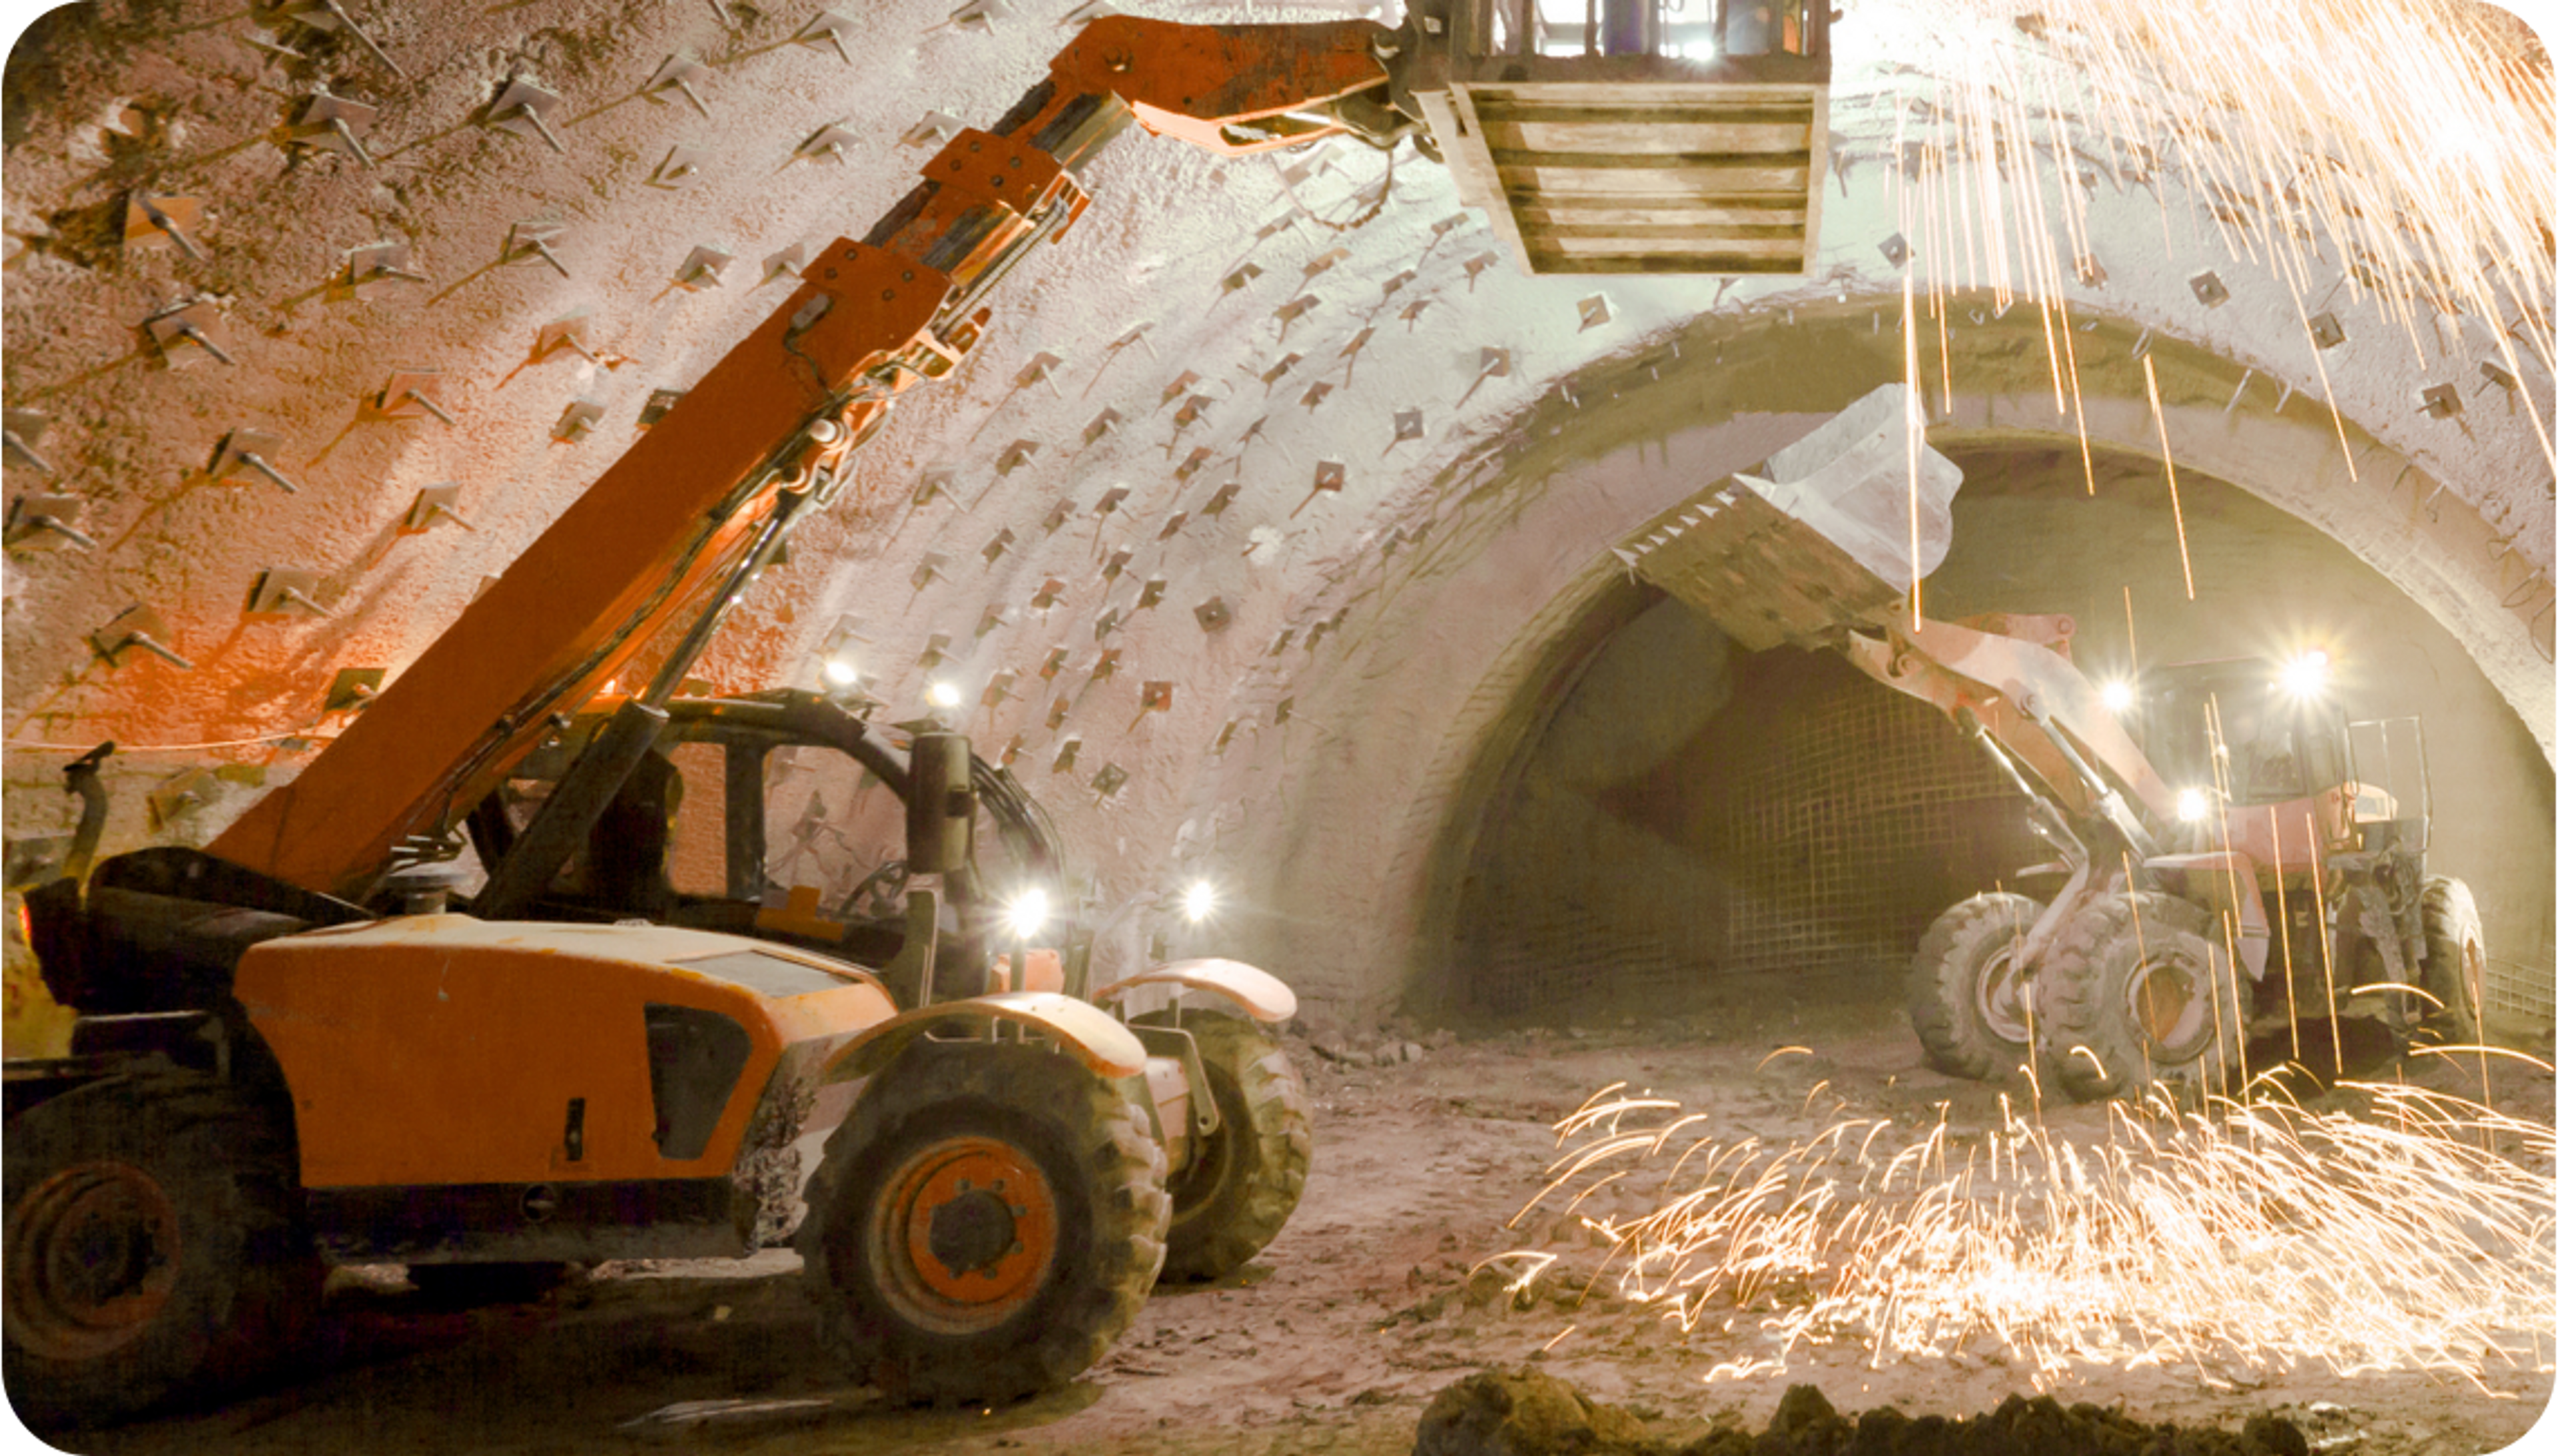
column 2224, row 865
column 306, row 1044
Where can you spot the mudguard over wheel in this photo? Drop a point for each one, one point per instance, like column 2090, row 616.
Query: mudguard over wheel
column 985, row 1223
column 1245, row 1179
column 155, row 1248
column 2137, row 992
column 1966, row 1000
column 2455, row 960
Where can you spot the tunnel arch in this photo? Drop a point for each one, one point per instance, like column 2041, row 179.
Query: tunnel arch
column 1461, row 649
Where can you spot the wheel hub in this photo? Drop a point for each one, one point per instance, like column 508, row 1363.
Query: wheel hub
column 92, row 1256
column 972, row 1231
column 2003, row 1000
column 965, row 1234
column 2171, row 1007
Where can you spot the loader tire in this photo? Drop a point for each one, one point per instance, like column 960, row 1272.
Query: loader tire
column 2138, row 993
column 155, row 1248
column 985, row 1223
column 2454, row 960
column 1966, row 1002
column 1245, row 1179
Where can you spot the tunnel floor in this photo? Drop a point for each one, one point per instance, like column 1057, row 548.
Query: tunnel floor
column 1337, row 1338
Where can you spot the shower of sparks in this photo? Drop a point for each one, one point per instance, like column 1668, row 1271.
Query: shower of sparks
column 2414, row 1233
column 2390, row 150
column 2184, row 557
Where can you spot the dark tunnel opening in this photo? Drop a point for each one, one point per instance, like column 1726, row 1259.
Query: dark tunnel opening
column 1669, row 822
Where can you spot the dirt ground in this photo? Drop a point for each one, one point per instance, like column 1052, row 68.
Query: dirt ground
column 1333, row 1341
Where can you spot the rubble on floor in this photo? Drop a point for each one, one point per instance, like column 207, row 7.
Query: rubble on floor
column 1527, row 1413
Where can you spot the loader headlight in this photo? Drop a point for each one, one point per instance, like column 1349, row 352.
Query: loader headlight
column 2192, row 805
column 1026, row 915
column 2306, row 674
column 2116, row 696
column 1198, row 902
column 942, row 694
column 841, row 672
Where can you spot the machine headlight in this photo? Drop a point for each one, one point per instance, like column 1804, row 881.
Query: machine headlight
column 2192, row 805
column 1026, row 915
column 2306, row 674
column 942, row 694
column 1198, row 902
column 2116, row 696
column 841, row 672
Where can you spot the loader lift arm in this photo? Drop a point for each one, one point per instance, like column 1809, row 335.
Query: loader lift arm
column 682, row 522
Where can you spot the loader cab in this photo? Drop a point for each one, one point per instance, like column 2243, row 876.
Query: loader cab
column 780, row 815
column 2241, row 728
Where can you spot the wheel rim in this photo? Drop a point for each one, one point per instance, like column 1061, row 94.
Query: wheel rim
column 2170, row 1009
column 2000, row 997
column 1216, row 1160
column 92, row 1258
column 965, row 1235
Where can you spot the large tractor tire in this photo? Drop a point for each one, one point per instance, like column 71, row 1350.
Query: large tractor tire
column 2137, row 993
column 1245, row 1179
column 1967, row 1001
column 2454, row 960
column 155, row 1248
column 984, row 1224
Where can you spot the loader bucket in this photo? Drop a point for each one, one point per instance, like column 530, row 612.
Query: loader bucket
column 1820, row 543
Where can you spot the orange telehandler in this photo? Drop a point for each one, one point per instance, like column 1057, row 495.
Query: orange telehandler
column 288, row 1050
column 2228, row 872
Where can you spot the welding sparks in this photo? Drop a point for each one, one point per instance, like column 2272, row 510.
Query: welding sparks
column 2389, row 151
column 2413, row 1233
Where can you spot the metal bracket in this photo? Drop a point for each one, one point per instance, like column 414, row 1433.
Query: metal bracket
column 679, row 74
column 535, row 239
column 282, row 589
column 703, row 266
column 135, row 627
column 378, row 261
column 330, row 16
column 524, row 109
column 149, row 220
column 23, row 428
column 331, row 123
column 33, row 519
column 186, row 791
column 828, row 141
column 190, row 323
column 352, row 688
column 439, row 502
column 829, row 28
column 251, row 451
column 569, row 334
column 575, row 421
column 679, row 169
column 410, row 392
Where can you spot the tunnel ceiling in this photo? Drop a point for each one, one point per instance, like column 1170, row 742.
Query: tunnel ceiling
column 1228, row 436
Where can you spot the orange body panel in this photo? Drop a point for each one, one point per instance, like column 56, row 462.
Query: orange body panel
column 541, row 638
column 2259, row 830
column 1189, row 81
column 444, row 1050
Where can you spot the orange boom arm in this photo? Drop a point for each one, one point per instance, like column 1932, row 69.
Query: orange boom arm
column 663, row 535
